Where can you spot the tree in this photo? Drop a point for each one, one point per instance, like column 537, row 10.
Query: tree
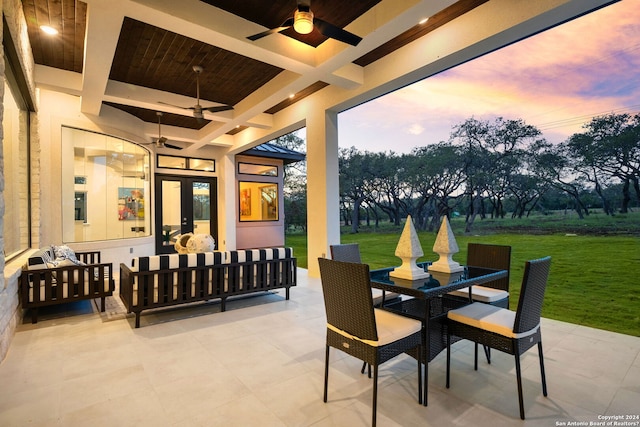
column 354, row 171
column 492, row 155
column 579, row 148
column 295, row 183
column 434, row 176
column 610, row 146
column 296, row 171
column 552, row 165
column 388, row 187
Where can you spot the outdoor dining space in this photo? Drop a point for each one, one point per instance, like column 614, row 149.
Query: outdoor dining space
column 261, row 363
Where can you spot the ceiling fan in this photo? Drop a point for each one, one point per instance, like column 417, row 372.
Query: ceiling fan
column 198, row 109
column 303, row 22
column 161, row 142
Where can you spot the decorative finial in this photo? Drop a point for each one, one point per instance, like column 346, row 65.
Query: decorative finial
column 446, row 247
column 409, row 250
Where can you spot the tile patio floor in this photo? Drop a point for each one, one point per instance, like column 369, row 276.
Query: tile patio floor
column 261, row 363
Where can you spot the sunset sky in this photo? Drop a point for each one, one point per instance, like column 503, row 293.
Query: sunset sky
column 556, row 80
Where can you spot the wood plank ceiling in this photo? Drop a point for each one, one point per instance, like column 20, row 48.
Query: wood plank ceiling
column 160, row 59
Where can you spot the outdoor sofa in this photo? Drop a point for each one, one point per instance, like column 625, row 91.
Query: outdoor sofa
column 173, row 279
column 57, row 275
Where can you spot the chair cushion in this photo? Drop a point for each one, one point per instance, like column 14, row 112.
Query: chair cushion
column 391, row 327
column 376, row 294
column 482, row 294
column 490, row 318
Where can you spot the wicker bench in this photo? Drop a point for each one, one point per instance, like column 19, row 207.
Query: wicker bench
column 172, row 279
column 41, row 285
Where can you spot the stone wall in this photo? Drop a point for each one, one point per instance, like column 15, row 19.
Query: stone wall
column 10, row 311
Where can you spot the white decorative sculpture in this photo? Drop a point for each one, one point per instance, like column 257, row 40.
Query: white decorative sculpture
column 446, row 247
column 181, row 243
column 201, row 243
column 193, row 243
column 409, row 250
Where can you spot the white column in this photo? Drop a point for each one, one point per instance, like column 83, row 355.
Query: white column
column 227, row 204
column 323, row 215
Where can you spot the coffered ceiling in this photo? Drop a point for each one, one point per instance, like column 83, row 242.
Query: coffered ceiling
column 138, row 56
column 142, row 52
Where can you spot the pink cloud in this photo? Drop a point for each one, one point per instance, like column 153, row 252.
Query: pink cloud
column 556, row 80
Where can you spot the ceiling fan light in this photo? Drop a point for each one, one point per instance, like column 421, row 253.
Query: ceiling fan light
column 303, row 21
column 49, row 30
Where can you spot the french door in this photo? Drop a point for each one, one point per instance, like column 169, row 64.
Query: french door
column 184, row 204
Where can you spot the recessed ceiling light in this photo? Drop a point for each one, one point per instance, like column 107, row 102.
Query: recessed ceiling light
column 49, row 30
column 292, row 96
column 423, row 21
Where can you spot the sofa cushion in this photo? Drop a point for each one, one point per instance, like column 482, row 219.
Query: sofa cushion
column 245, row 255
column 40, row 259
column 169, row 261
column 251, row 255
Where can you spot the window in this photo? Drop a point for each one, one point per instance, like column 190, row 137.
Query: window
column 255, row 169
column 190, row 163
column 105, row 187
column 15, row 150
column 202, row 165
column 172, row 162
column 258, row 201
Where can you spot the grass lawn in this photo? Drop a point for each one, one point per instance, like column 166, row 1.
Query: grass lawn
column 594, row 279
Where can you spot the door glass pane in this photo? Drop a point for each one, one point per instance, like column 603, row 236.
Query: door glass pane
column 171, row 213
column 201, row 207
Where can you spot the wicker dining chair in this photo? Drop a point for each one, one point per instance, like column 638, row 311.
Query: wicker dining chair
column 496, row 292
column 346, row 252
column 512, row 332
column 488, row 256
column 350, row 252
column 354, row 326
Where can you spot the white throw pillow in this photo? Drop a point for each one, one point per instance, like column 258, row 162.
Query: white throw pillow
column 201, row 243
column 64, row 252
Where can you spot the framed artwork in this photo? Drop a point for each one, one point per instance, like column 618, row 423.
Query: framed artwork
column 245, row 202
column 130, row 203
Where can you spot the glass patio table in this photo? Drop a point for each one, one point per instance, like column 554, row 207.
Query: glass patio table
column 427, row 300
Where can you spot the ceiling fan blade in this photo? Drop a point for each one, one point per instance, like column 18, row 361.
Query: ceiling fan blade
column 286, row 24
column 336, row 33
column 218, row 108
column 175, row 147
column 173, row 105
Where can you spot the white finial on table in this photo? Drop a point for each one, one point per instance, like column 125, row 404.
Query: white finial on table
column 409, row 250
column 446, row 247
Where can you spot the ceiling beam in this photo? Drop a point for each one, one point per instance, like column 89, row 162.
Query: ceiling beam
column 104, row 20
